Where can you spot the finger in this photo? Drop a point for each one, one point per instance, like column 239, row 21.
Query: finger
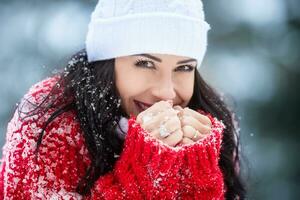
column 170, row 126
column 162, row 117
column 173, row 124
column 191, row 121
column 191, row 133
column 186, row 140
column 179, row 109
column 154, row 109
column 170, row 102
column 202, row 118
column 174, row 138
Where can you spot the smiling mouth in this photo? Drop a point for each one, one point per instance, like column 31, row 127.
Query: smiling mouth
column 141, row 105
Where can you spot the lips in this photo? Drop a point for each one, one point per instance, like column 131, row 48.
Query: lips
column 141, row 105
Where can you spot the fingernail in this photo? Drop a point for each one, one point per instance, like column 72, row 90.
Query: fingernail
column 170, row 102
column 176, row 112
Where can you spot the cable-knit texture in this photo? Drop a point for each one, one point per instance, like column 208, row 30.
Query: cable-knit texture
column 146, row 169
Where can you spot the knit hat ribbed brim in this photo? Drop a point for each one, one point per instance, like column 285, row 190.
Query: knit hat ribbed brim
column 179, row 31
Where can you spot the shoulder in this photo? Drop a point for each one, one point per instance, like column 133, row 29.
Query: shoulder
column 37, row 107
column 62, row 150
column 41, row 89
column 28, row 122
column 34, row 108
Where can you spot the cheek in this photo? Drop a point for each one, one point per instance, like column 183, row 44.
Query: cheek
column 185, row 87
column 130, row 85
column 124, row 87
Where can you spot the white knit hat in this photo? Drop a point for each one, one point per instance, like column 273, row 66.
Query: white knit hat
column 126, row 27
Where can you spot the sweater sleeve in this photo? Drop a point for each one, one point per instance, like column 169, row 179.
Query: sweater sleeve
column 61, row 161
column 149, row 169
column 201, row 175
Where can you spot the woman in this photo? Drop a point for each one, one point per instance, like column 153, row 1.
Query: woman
column 129, row 117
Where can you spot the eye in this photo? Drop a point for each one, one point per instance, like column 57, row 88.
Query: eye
column 144, row 64
column 185, row 68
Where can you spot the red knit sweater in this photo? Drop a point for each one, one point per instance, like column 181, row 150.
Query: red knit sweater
column 146, row 168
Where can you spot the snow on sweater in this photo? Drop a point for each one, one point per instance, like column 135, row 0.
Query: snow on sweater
column 146, row 168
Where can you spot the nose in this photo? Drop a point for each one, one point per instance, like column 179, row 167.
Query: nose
column 164, row 89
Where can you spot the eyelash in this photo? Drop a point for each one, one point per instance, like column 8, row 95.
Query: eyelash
column 142, row 63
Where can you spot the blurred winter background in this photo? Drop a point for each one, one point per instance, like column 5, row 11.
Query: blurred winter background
column 253, row 57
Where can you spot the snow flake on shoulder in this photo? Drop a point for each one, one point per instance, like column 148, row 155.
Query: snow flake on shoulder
column 62, row 157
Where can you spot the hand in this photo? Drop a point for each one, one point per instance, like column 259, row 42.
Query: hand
column 194, row 125
column 162, row 122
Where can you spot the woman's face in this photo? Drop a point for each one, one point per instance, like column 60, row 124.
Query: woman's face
column 145, row 79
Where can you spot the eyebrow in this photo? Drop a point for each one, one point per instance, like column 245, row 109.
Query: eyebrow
column 159, row 60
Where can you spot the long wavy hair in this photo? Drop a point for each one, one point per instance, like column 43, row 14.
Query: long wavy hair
column 89, row 89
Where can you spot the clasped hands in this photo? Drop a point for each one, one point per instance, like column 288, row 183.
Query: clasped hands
column 175, row 126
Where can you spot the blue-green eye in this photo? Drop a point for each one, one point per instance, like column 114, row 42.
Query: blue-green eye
column 150, row 65
column 144, row 64
column 185, row 68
